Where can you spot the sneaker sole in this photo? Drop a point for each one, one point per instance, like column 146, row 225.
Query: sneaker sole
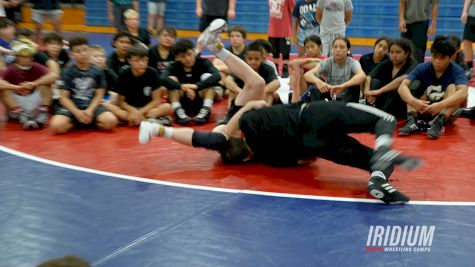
column 376, row 193
column 217, row 25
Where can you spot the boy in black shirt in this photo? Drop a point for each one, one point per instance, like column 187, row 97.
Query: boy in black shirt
column 83, row 86
column 139, row 90
column 160, row 56
column 118, row 59
column 190, row 81
column 54, row 49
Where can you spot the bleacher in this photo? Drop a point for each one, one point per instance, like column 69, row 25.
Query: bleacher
column 371, row 18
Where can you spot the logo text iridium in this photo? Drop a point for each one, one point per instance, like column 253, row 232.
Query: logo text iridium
column 395, row 238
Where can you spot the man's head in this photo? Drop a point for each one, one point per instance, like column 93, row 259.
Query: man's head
column 79, row 49
column 167, row 36
column 24, row 52
column 184, row 52
column 131, row 19
column 235, row 151
column 442, row 52
column 138, row 60
column 122, row 42
column 255, row 55
column 457, row 42
column 313, row 46
column 237, row 36
column 400, row 50
column 98, row 56
column 53, row 43
column 7, row 29
column 265, row 45
column 381, row 46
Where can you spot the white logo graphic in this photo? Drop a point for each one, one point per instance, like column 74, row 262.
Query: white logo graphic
column 275, row 7
column 83, row 88
column 147, row 90
column 435, row 93
column 394, row 238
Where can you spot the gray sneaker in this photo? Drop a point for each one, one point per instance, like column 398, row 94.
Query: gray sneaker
column 210, row 38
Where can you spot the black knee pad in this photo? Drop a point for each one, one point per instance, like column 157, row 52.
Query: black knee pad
column 209, row 140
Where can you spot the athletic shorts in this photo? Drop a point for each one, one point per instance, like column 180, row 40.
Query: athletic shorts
column 65, row 112
column 38, row 15
column 303, row 34
column 157, row 8
column 280, row 45
column 469, row 29
column 29, row 102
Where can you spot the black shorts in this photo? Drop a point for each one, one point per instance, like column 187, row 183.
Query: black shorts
column 65, row 112
column 191, row 107
column 206, row 20
column 280, row 45
column 469, row 29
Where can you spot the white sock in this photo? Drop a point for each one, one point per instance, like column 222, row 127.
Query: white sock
column 222, row 54
column 176, row 105
column 384, row 140
column 168, row 132
column 208, row 103
column 378, row 174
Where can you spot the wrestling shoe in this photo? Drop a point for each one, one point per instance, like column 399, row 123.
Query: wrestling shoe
column 181, row 117
column 410, row 127
column 436, row 128
column 41, row 116
column 210, row 38
column 203, row 115
column 148, row 130
column 381, row 189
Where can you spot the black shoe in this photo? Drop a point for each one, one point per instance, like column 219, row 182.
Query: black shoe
column 381, row 189
column 467, row 113
column 411, row 127
column 203, row 115
column 285, row 71
column 436, row 128
column 181, row 117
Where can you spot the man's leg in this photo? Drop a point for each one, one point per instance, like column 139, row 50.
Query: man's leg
column 254, row 85
column 208, row 96
column 419, row 38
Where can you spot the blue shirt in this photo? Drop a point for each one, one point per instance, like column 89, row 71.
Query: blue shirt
column 304, row 12
column 435, row 87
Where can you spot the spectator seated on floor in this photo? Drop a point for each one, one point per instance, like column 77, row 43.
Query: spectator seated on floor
column 190, row 81
column 379, row 54
column 159, row 55
column 116, row 60
column 434, row 91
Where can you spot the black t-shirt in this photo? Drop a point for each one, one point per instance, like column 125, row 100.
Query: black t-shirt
column 143, row 37
column 138, row 90
column 45, row 4
column 272, row 134
column 82, row 84
column 384, row 71
column 215, row 7
column 156, row 61
column 368, row 64
column 200, row 67
column 265, row 71
column 241, row 55
column 41, row 58
column 62, row 60
column 111, row 80
column 114, row 64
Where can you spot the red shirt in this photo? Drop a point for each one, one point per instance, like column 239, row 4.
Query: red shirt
column 280, row 18
column 15, row 76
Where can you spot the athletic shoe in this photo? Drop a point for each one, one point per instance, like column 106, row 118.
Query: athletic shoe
column 285, row 71
column 181, row 117
column 210, row 38
column 467, row 112
column 146, row 131
column 203, row 115
column 41, row 117
column 16, row 113
column 164, row 120
column 436, row 128
column 381, row 189
column 382, row 160
column 410, row 127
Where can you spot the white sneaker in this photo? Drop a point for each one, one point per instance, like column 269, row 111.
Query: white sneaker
column 210, row 38
column 145, row 132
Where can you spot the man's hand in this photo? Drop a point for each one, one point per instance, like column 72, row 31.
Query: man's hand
column 371, row 95
column 402, row 26
column 420, row 105
column 199, row 12
column 464, row 17
column 28, row 85
column 135, row 117
column 324, row 88
column 337, row 89
column 431, row 30
column 434, row 108
column 83, row 117
column 231, row 14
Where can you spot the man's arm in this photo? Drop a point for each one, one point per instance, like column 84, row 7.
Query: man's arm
column 319, row 15
column 310, row 77
column 460, row 95
column 65, row 101
column 232, row 9
column 402, row 16
column 168, row 82
column 435, row 14
column 5, row 85
column 51, row 76
column 96, row 101
column 232, row 129
column 231, row 85
column 199, row 9
column 348, row 17
column 135, row 4
column 272, row 86
column 152, row 104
